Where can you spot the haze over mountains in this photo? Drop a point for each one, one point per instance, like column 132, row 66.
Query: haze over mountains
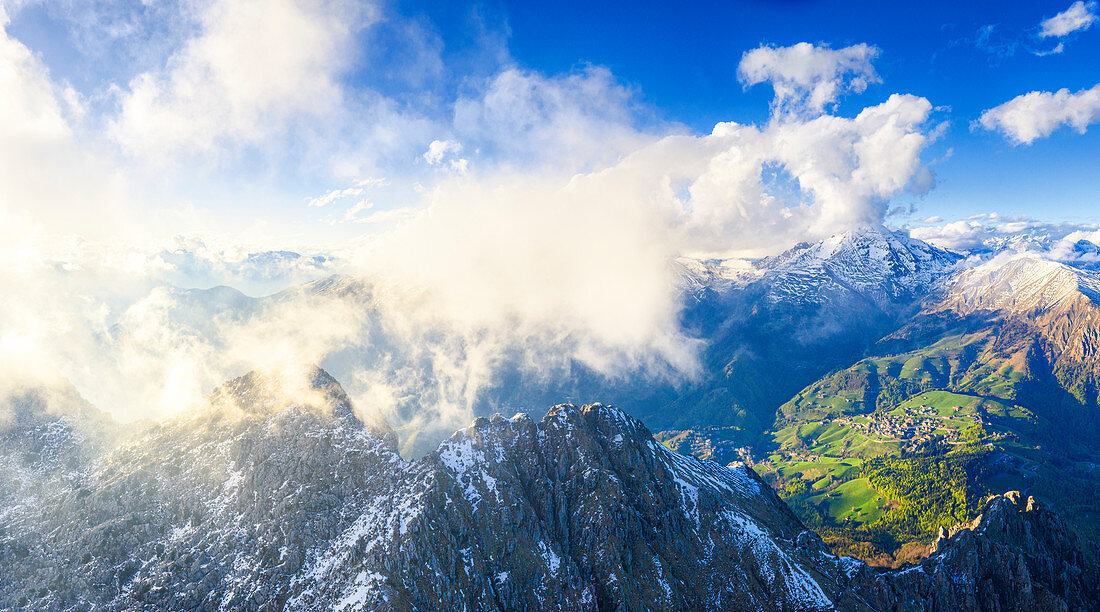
column 760, row 331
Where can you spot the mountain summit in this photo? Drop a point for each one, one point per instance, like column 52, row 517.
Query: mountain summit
column 872, row 261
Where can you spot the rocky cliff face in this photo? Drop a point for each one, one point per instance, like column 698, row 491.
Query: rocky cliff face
column 1017, row 555
column 278, row 497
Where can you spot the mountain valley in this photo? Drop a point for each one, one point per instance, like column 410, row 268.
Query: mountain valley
column 991, row 385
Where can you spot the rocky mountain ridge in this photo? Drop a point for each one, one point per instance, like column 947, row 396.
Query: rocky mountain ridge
column 278, row 497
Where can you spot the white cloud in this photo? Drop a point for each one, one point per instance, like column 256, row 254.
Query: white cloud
column 990, row 232
column 1079, row 16
column 956, row 235
column 352, row 213
column 554, row 268
column 438, row 149
column 98, row 313
column 1059, row 48
column 581, row 120
column 382, row 216
column 1037, row 114
column 1066, row 248
column 254, row 68
column 553, row 244
column 333, row 195
column 585, row 256
column 48, row 176
column 30, row 109
column 848, row 167
column 808, row 78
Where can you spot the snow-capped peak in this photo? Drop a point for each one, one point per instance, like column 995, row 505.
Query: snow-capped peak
column 874, row 261
column 1024, row 283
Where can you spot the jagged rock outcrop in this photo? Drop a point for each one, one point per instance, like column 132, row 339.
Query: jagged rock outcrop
column 581, row 511
column 278, row 497
column 1017, row 555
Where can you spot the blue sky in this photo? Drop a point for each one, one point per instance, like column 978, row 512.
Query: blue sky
column 128, row 83
column 683, row 56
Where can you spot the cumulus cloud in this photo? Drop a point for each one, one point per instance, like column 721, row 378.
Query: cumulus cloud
column 438, row 149
column 550, row 269
column 807, row 78
column 581, row 120
column 252, row 68
column 1038, row 114
column 1079, row 16
column 31, row 110
column 848, row 167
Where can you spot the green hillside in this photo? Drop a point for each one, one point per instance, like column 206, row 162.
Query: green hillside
column 878, row 455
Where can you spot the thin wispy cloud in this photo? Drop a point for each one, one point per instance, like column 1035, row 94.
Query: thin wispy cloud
column 334, row 195
column 1000, row 42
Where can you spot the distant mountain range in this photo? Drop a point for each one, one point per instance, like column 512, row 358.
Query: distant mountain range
column 805, row 312
column 275, row 496
column 1008, row 344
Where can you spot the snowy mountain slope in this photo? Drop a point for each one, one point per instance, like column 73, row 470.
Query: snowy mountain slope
column 812, row 309
column 874, row 262
column 698, row 276
column 1025, row 284
column 1055, row 306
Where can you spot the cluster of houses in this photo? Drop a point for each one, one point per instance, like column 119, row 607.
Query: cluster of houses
column 916, row 425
